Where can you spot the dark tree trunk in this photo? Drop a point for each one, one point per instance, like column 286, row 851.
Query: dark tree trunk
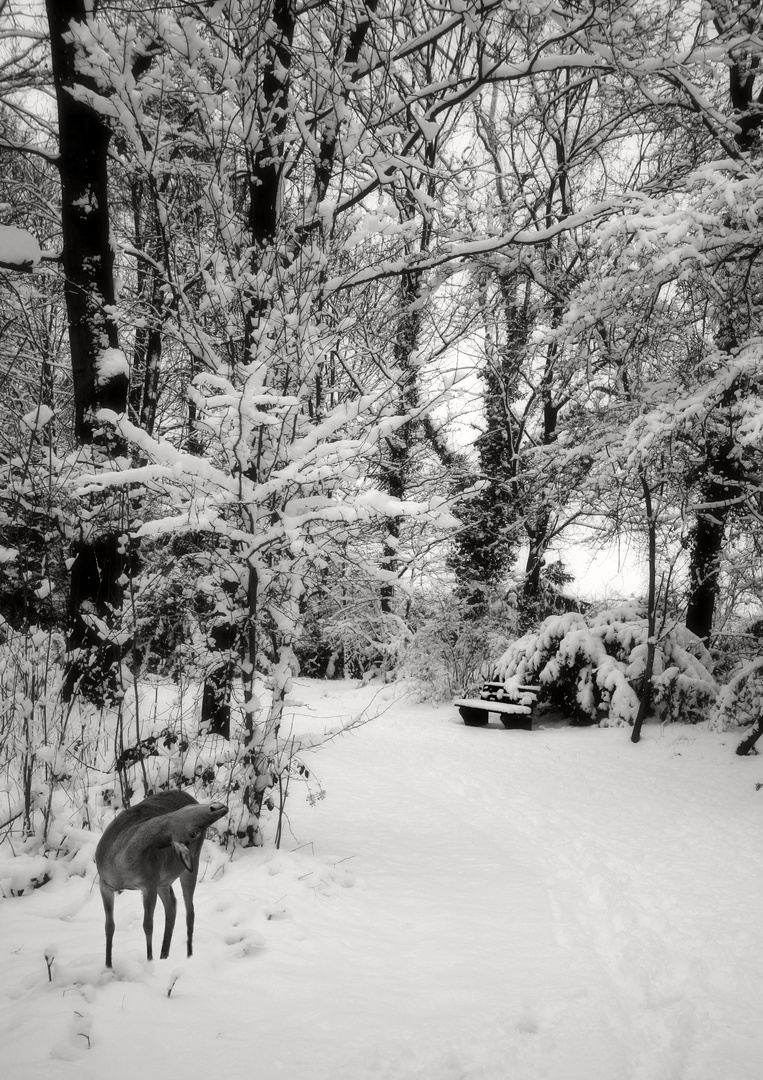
column 223, row 642
column 100, row 379
column 483, row 552
column 266, row 164
column 147, row 356
column 88, row 258
column 215, row 700
column 93, row 659
column 397, row 454
column 709, row 534
column 747, row 744
column 529, row 603
column 539, row 526
column 647, row 688
column 718, row 495
column 147, row 351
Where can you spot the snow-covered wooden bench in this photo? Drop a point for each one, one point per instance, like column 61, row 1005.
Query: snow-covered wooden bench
column 514, row 709
column 476, row 711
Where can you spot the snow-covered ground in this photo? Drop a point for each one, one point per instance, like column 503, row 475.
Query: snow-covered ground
column 464, row 903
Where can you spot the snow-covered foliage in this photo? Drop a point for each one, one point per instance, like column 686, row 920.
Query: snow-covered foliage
column 593, row 664
column 37, row 768
column 740, row 697
column 452, row 654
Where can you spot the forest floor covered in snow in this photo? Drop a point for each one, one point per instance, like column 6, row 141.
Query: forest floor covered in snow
column 464, row 904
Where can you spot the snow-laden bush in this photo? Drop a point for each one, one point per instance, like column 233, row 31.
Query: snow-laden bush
column 739, row 699
column 451, row 655
column 360, row 645
column 593, row 665
column 34, row 727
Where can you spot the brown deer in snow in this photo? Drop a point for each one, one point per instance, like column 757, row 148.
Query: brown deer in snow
column 147, row 847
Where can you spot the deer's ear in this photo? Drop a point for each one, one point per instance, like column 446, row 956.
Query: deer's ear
column 184, row 855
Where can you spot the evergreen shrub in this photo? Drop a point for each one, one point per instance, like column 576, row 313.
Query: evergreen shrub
column 592, row 666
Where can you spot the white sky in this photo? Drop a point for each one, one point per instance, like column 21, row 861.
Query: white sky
column 615, row 570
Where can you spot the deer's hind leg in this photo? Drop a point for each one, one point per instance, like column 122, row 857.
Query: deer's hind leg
column 167, row 897
column 107, row 895
column 188, row 885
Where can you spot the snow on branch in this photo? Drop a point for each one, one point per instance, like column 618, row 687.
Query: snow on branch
column 210, row 489
column 473, row 249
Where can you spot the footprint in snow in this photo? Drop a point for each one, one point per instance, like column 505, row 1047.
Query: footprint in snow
column 245, row 942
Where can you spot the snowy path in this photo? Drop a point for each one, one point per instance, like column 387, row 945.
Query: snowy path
column 470, row 972
column 468, row 905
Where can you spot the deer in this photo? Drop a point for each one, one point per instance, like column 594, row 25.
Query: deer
column 147, row 847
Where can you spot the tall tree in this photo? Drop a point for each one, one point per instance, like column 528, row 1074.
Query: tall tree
column 100, row 374
column 720, row 473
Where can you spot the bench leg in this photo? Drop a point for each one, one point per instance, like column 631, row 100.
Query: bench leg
column 474, row 717
column 510, row 721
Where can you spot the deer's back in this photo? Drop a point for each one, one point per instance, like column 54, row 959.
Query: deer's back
column 122, row 863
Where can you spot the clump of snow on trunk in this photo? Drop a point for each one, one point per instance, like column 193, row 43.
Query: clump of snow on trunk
column 110, row 363
column 19, row 250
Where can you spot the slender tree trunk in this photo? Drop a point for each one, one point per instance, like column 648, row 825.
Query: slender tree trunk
column 645, row 702
column 98, row 368
column 147, row 350
column 264, row 175
column 215, row 697
column 397, row 463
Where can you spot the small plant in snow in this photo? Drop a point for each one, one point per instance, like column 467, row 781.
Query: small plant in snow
column 50, row 956
column 176, row 974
